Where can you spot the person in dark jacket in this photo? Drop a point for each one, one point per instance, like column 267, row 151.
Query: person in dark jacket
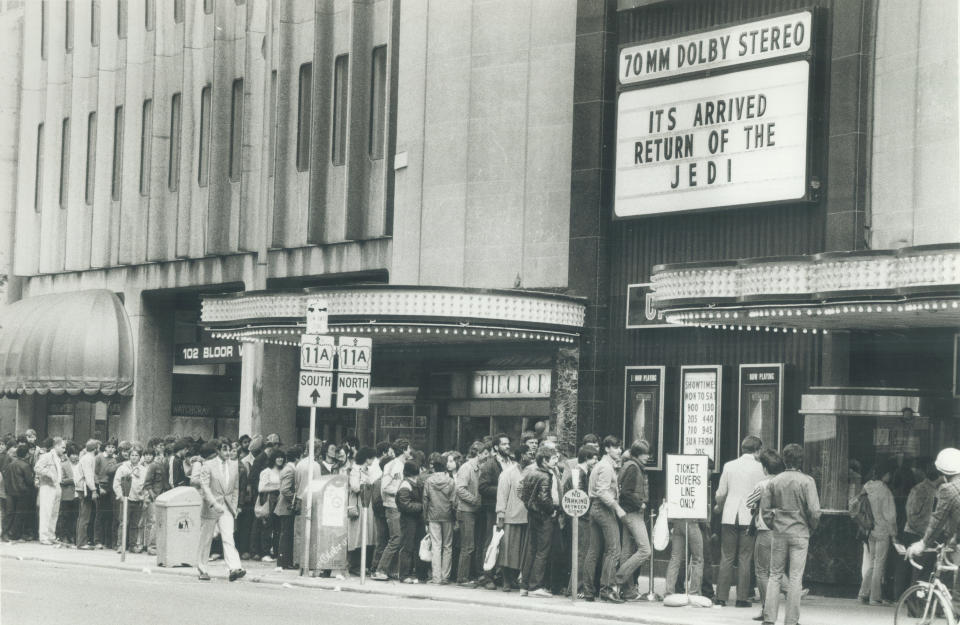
column 487, row 482
column 261, row 462
column 410, row 505
column 439, row 492
column 20, row 491
column 634, row 542
column 540, row 492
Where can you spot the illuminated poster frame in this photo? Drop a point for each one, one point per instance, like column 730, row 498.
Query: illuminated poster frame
column 761, row 399
column 644, row 384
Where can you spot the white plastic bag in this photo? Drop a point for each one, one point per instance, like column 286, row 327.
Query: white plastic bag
column 426, row 549
column 490, row 558
column 661, row 529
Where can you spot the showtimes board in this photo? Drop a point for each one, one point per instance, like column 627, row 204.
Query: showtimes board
column 700, row 388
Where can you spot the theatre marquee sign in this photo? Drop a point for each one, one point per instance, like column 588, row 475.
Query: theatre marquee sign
column 723, row 140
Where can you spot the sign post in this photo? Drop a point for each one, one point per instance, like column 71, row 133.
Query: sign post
column 575, row 503
column 688, row 494
column 316, row 354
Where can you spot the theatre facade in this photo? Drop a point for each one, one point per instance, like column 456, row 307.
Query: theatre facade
column 784, row 244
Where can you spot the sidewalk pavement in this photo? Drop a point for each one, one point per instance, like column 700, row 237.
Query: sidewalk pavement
column 814, row 610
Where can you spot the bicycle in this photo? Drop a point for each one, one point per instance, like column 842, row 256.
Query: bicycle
column 930, row 602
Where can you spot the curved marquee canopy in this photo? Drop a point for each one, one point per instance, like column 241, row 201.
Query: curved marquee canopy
column 74, row 343
column 402, row 314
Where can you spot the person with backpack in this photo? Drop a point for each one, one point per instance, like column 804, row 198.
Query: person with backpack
column 879, row 499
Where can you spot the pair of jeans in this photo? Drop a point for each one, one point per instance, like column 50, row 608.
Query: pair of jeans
column 19, row 506
column 605, row 533
column 243, row 524
column 103, row 523
column 736, row 545
column 468, row 526
column 67, row 523
column 285, row 544
column 88, row 508
column 795, row 548
column 682, row 533
column 872, row 567
column 539, row 537
column 408, row 546
column 389, row 561
column 441, row 547
column 383, row 534
column 149, row 522
column 134, row 537
column 634, row 550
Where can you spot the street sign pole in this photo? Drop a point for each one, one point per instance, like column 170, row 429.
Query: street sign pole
column 574, row 558
column 308, row 517
column 363, row 540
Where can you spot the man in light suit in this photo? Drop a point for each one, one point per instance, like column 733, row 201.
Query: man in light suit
column 217, row 482
column 49, row 474
column 738, row 480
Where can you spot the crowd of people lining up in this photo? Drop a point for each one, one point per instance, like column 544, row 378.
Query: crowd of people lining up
column 253, row 488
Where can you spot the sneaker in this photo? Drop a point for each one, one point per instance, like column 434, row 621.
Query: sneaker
column 610, row 595
column 204, row 577
column 268, row 559
column 98, row 546
column 542, row 593
column 490, row 586
column 467, row 584
column 86, row 547
column 379, row 576
column 632, row 595
column 236, row 574
column 410, row 580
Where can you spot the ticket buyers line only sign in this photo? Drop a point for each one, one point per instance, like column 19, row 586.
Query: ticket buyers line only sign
column 687, row 482
column 734, row 139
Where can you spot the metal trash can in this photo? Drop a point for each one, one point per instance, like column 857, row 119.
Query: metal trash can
column 178, row 526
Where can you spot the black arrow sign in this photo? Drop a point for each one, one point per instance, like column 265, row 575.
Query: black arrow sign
column 315, row 396
column 356, row 396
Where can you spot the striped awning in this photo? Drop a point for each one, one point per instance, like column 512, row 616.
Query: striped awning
column 74, row 343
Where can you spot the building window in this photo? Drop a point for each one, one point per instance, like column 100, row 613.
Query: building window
column 64, row 162
column 68, row 34
column 303, row 117
column 91, row 158
column 173, row 171
column 43, row 29
column 148, row 14
column 208, row 6
column 146, row 140
column 202, row 168
column 236, row 129
column 95, row 23
column 122, row 19
column 178, row 10
column 272, row 146
column 38, row 179
column 339, row 134
column 117, row 153
column 378, row 89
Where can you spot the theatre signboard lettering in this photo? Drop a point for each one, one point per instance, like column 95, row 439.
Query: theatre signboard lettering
column 735, row 137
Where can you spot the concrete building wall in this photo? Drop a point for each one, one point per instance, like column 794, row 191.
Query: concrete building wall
column 485, row 114
column 915, row 178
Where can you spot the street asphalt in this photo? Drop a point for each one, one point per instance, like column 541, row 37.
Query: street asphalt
column 41, row 593
column 41, row 584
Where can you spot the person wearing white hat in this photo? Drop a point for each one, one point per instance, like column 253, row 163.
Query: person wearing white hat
column 945, row 520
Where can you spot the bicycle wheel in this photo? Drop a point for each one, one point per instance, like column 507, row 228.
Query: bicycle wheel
column 913, row 608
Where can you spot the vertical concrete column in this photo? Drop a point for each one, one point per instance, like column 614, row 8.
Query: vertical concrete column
column 563, row 393
column 147, row 413
column 268, row 390
column 31, row 414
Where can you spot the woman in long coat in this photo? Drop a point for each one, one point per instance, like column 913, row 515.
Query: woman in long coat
column 361, row 475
